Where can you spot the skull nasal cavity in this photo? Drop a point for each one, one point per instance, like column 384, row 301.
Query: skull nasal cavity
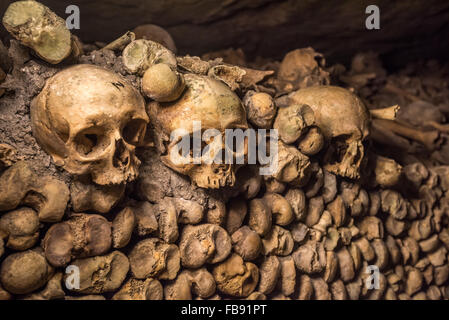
column 121, row 157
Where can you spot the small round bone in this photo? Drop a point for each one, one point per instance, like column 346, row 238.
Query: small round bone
column 205, row 243
column 123, row 227
column 337, row 210
column 292, row 121
column 320, row 289
column 237, row 211
column 287, row 281
column 21, row 228
column 346, row 264
column 278, row 241
column 216, row 213
column 312, row 142
column 189, row 211
column 338, row 290
column 260, row 109
column 19, row 184
column 331, row 266
column 246, row 243
column 387, row 172
column 310, row 257
column 24, row 272
column 280, row 208
column 270, row 271
column 83, row 235
column 162, row 84
column 236, row 277
column 393, row 203
column 297, row 200
column 260, row 217
column 371, row 227
column 52, row 291
column 146, row 222
column 141, row 54
column 199, row 282
column 101, row 274
column 154, row 258
column 305, row 288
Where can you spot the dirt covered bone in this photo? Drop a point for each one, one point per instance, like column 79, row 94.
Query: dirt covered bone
column 19, row 184
column 90, row 120
column 163, row 84
column 83, row 235
column 52, row 290
column 39, row 28
column 87, row 196
column 236, row 277
column 135, row 289
column 217, row 107
column 24, row 272
column 141, row 54
column 345, row 123
column 157, row 183
column 292, row 121
column 20, row 228
column 101, row 274
column 154, row 258
column 205, row 243
column 299, row 69
column 260, row 108
column 293, row 167
column 199, row 282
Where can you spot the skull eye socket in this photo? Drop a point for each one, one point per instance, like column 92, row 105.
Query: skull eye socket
column 133, row 131
column 338, row 148
column 91, row 141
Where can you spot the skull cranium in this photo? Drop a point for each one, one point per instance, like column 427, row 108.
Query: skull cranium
column 213, row 104
column 90, row 121
column 344, row 121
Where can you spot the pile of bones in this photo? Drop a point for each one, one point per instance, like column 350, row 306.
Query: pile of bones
column 357, row 208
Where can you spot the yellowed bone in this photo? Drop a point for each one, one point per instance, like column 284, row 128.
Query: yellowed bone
column 385, row 113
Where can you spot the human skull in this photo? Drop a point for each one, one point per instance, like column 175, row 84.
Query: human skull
column 217, row 107
column 344, row 121
column 90, row 121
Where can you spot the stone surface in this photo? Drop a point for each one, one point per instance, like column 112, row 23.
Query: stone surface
column 273, row 27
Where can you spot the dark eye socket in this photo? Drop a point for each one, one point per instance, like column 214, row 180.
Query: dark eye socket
column 90, row 141
column 133, row 131
column 93, row 138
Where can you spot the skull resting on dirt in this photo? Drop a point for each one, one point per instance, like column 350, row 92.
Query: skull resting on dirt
column 90, row 121
column 345, row 123
column 217, row 107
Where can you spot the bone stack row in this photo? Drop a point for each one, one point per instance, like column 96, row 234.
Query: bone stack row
column 310, row 243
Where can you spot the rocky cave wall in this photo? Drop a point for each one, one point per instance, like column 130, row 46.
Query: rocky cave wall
column 408, row 29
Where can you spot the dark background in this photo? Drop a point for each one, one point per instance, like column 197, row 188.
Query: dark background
column 409, row 29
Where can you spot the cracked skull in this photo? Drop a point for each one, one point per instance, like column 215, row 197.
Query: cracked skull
column 90, row 121
column 344, row 121
column 213, row 104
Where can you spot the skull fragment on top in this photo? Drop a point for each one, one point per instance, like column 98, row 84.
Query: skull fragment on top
column 90, row 121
